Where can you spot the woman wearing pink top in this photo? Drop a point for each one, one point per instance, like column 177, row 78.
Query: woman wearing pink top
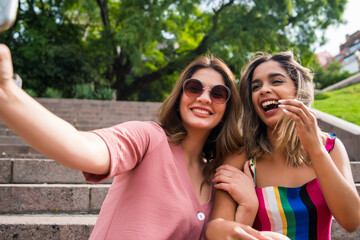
column 162, row 187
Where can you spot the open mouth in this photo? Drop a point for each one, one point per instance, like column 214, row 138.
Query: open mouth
column 269, row 105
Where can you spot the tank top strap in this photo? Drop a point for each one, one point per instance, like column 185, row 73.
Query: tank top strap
column 330, row 142
column 253, row 168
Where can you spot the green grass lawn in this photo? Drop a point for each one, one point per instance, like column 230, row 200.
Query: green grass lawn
column 342, row 103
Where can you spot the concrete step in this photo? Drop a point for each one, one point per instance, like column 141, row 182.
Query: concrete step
column 55, row 227
column 44, row 170
column 11, row 139
column 338, row 233
column 59, row 227
column 14, row 170
column 7, row 149
column 51, row 198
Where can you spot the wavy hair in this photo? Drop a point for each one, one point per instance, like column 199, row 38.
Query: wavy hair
column 225, row 138
column 254, row 130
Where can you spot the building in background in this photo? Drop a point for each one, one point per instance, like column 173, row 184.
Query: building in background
column 324, row 58
column 347, row 55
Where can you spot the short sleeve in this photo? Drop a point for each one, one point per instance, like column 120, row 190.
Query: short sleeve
column 127, row 144
column 330, row 142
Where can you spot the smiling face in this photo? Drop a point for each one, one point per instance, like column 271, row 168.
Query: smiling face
column 270, row 83
column 202, row 113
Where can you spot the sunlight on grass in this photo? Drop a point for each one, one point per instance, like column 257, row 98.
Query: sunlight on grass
column 342, row 103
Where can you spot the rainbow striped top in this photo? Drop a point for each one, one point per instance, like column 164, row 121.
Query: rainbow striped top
column 299, row 213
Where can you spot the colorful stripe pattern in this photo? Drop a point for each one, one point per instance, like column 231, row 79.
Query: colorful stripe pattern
column 300, row 213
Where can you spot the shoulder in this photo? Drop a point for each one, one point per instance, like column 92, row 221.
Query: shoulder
column 139, row 126
column 338, row 154
column 237, row 159
column 133, row 130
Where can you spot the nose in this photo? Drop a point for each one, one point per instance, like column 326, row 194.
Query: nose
column 265, row 89
column 205, row 96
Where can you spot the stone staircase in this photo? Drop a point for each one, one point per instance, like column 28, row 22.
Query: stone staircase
column 41, row 199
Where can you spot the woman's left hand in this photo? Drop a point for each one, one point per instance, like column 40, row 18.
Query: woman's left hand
column 306, row 123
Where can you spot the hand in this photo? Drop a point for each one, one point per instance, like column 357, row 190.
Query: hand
column 306, row 123
column 6, row 68
column 240, row 185
column 220, row 229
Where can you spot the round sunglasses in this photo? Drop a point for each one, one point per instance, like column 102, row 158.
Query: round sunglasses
column 193, row 88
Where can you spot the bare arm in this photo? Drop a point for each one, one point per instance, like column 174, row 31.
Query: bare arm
column 233, row 188
column 339, row 189
column 333, row 171
column 46, row 132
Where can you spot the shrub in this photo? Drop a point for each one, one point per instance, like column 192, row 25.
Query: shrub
column 52, row 93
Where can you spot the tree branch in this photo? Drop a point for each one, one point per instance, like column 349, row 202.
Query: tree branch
column 141, row 82
column 104, row 12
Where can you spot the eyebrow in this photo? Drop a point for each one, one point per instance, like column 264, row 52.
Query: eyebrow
column 271, row 75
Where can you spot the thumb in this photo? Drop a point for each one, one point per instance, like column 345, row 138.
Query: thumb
column 6, row 68
column 247, row 170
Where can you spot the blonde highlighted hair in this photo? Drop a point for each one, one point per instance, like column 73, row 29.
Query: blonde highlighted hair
column 254, row 130
column 225, row 138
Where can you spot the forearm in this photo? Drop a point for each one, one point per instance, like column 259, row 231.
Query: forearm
column 339, row 192
column 246, row 214
column 43, row 130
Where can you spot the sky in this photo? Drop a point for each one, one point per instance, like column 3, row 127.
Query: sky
column 336, row 35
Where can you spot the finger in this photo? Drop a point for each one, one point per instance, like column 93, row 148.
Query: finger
column 247, row 170
column 222, row 179
column 241, row 234
column 6, row 68
column 227, row 167
column 296, row 113
column 294, row 103
column 223, row 186
column 251, row 233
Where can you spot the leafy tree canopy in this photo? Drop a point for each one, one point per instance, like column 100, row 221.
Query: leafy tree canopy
column 138, row 47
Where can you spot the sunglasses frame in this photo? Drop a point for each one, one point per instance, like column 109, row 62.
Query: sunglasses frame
column 202, row 91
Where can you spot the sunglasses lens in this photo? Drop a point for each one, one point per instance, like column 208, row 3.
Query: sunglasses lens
column 219, row 94
column 193, row 88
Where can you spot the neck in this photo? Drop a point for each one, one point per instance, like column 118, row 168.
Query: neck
column 192, row 147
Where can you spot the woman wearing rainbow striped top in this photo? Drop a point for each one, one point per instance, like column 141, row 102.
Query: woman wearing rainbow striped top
column 302, row 175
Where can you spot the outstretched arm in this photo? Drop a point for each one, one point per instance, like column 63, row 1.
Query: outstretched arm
column 44, row 131
column 332, row 170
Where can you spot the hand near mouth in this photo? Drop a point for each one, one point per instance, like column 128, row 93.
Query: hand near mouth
column 306, row 123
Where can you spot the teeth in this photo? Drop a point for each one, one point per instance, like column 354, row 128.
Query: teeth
column 267, row 103
column 201, row 111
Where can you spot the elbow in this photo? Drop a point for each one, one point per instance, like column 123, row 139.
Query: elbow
column 351, row 225
column 350, row 228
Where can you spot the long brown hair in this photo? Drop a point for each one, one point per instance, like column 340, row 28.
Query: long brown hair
column 225, row 138
column 254, row 130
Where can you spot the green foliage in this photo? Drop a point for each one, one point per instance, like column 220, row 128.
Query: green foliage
column 88, row 91
column 104, row 93
column 333, row 74
column 322, row 96
column 31, row 92
column 137, row 47
column 52, row 93
column 83, row 91
column 342, row 103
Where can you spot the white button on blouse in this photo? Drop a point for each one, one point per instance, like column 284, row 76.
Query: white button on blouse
column 201, row 216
